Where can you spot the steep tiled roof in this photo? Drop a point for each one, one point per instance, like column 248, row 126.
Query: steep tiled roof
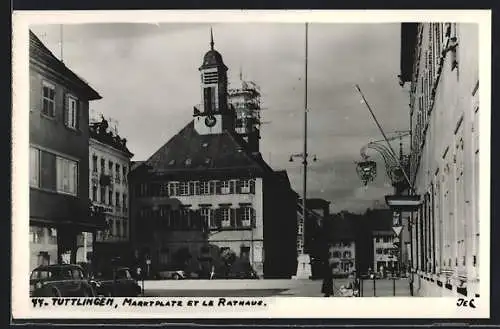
column 99, row 132
column 40, row 51
column 135, row 164
column 190, row 152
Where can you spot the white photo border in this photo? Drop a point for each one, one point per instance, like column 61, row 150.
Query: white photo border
column 277, row 307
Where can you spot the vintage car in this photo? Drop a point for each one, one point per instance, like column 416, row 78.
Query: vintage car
column 60, row 280
column 172, row 274
column 116, row 281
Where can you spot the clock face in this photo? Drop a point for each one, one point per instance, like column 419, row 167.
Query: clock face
column 210, row 121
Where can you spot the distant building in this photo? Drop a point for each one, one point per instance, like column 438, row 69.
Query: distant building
column 109, row 165
column 343, row 256
column 385, row 257
column 342, row 244
column 208, row 191
column 59, row 139
column 441, row 63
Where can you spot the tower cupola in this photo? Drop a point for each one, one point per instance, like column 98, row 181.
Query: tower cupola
column 214, row 114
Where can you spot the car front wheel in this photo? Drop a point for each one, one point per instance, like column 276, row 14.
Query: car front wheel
column 55, row 293
column 176, row 276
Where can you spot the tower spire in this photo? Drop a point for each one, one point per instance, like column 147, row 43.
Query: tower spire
column 211, row 39
column 241, row 73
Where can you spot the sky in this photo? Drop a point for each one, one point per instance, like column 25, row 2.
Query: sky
column 148, row 77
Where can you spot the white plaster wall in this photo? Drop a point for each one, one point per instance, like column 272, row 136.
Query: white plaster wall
column 110, row 154
column 233, row 239
column 454, row 102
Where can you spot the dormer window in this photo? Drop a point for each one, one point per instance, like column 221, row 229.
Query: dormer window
column 187, row 162
column 204, row 145
column 208, row 161
column 171, row 162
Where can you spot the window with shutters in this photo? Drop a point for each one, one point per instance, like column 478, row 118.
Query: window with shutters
column 71, row 112
column 245, row 186
column 252, row 186
column 224, row 187
column 213, row 187
column 232, row 186
column 110, row 197
column 117, row 201
column 110, row 168
column 163, row 188
column 94, row 163
column 48, row 99
column 225, row 217
column 204, row 188
column 124, row 169
column 183, row 188
column 194, row 188
column 173, row 188
column 117, row 173
column 207, row 217
column 245, row 216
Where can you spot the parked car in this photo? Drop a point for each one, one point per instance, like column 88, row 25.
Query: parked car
column 115, row 282
column 242, row 269
column 60, row 280
column 171, row 273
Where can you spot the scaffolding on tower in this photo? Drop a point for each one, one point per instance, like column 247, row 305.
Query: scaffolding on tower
column 245, row 99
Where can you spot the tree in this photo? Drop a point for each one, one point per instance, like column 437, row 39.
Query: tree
column 181, row 257
column 228, row 257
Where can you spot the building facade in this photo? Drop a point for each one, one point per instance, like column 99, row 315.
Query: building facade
column 440, row 61
column 208, row 191
column 385, row 255
column 343, row 257
column 109, row 166
column 59, row 136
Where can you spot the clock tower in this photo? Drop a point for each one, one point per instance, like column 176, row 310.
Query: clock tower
column 214, row 115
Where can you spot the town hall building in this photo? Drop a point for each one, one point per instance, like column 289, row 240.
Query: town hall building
column 208, row 190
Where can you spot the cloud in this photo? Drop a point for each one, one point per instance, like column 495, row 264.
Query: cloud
column 148, row 77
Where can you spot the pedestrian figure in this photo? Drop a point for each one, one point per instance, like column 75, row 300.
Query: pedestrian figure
column 357, row 283
column 411, row 284
column 327, row 286
column 212, row 272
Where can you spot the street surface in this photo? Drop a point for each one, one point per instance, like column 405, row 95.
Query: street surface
column 267, row 288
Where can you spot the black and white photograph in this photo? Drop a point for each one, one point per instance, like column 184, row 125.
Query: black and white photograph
column 334, row 157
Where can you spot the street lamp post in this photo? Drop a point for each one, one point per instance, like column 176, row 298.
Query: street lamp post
column 303, row 266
